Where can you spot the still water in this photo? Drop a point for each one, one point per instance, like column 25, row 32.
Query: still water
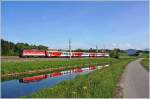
column 15, row 89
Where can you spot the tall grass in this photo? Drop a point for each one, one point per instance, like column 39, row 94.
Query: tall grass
column 97, row 84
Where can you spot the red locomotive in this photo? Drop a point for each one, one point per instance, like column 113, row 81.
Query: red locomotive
column 41, row 53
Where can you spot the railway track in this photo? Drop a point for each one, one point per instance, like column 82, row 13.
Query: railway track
column 17, row 59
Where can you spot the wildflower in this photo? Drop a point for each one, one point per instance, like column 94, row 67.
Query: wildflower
column 74, row 92
column 106, row 65
column 85, row 87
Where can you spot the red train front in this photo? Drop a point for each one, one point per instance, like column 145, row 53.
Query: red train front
column 31, row 53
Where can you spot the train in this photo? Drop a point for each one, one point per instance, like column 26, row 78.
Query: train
column 59, row 54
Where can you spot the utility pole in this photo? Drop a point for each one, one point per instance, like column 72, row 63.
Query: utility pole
column 96, row 49
column 70, row 48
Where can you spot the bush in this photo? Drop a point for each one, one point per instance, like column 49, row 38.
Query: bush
column 114, row 53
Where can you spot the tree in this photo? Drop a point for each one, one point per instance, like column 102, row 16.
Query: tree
column 10, row 48
column 41, row 47
column 114, row 53
column 79, row 50
column 7, row 48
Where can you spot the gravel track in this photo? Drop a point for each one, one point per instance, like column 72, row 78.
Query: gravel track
column 135, row 81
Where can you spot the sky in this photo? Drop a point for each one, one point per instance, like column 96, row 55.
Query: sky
column 106, row 24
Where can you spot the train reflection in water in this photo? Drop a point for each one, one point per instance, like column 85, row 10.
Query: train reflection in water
column 56, row 74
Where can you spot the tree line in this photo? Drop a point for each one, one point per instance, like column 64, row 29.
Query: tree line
column 11, row 49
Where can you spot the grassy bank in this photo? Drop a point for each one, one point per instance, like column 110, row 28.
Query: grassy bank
column 97, row 84
column 145, row 63
column 11, row 67
column 17, row 70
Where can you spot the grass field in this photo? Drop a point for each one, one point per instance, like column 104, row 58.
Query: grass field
column 124, row 55
column 97, row 84
column 145, row 63
column 22, row 66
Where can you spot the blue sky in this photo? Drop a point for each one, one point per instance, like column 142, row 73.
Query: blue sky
column 87, row 24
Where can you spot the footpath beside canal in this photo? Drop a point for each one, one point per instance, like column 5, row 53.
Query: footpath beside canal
column 135, row 81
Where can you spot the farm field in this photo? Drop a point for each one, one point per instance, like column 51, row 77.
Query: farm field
column 99, row 83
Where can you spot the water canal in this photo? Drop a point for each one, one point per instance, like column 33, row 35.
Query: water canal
column 18, row 88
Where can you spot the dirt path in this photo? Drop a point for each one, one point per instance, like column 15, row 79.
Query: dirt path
column 135, row 82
